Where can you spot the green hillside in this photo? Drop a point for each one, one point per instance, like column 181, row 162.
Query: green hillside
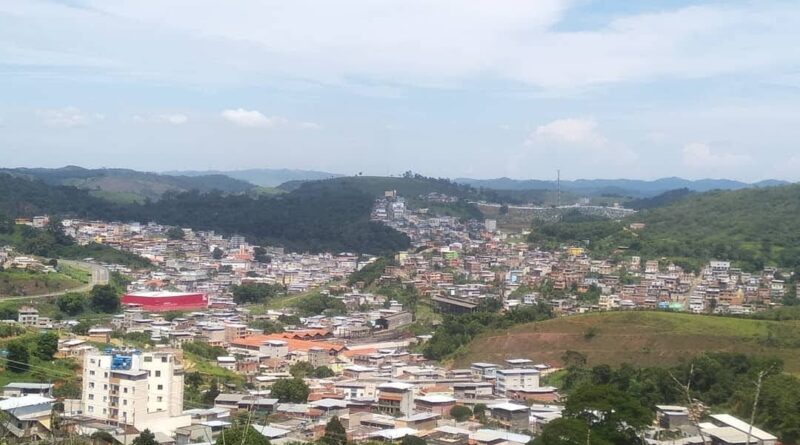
column 753, row 227
column 125, row 186
column 22, row 282
column 638, row 338
column 407, row 186
column 413, row 185
column 326, row 217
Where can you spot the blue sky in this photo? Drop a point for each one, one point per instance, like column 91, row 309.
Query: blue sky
column 479, row 88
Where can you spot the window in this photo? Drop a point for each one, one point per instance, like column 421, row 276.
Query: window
column 91, row 372
column 159, row 398
column 105, row 374
column 160, row 387
column 91, row 409
column 105, row 398
column 104, row 410
column 105, row 386
column 158, row 373
column 91, row 396
column 148, row 358
column 124, row 402
column 125, row 390
column 91, row 385
column 164, row 359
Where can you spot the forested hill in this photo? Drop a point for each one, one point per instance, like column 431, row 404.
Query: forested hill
column 329, row 218
column 412, row 186
column 124, row 185
column 753, row 227
column 408, row 186
column 660, row 200
column 623, row 187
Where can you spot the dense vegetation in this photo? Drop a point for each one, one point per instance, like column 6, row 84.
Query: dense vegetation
column 753, row 227
column 659, row 200
column 457, row 331
column 129, row 185
column 256, row 293
column 325, row 217
column 721, row 381
column 598, row 414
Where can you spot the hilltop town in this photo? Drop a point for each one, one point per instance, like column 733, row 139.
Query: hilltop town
column 216, row 330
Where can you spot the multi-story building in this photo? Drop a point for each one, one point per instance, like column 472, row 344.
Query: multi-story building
column 516, row 379
column 396, row 398
column 28, row 316
column 143, row 389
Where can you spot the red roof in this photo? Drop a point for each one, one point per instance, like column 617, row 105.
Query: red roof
column 254, row 341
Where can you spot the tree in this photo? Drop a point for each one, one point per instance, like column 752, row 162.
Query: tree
column 46, row 346
column 217, row 253
column 82, row 328
column 255, row 293
column 479, row 410
column 211, row 395
column 460, row 412
column 241, row 435
column 171, row 315
column 6, row 224
column 611, row 414
column 193, row 379
column 260, row 255
column 71, row 303
column 413, row 440
column 335, row 434
column 175, row 234
column 104, row 298
column 323, row 372
column 56, row 230
column 301, row 370
column 573, row 359
column 18, row 356
column 290, row 390
column 566, row 432
column 145, row 438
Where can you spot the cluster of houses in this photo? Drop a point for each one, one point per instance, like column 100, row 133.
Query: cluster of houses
column 10, row 259
column 377, row 385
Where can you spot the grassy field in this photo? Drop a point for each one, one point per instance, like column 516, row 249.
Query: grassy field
column 21, row 282
column 640, row 338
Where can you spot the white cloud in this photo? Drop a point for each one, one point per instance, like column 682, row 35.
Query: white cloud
column 67, row 117
column 251, row 118
column 576, row 131
column 699, row 155
column 402, row 42
column 256, row 119
column 578, row 143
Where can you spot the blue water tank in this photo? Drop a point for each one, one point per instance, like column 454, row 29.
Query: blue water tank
column 121, row 362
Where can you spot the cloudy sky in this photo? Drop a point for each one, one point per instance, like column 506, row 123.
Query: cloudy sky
column 478, row 88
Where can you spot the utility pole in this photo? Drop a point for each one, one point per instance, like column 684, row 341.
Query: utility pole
column 558, row 195
column 760, row 379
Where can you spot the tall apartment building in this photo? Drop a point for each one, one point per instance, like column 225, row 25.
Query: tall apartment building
column 143, row 389
column 516, row 379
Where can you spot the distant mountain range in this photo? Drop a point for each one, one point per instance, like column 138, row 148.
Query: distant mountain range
column 623, row 187
column 265, row 177
column 124, row 185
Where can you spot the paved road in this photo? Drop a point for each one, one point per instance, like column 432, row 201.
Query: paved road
column 99, row 276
